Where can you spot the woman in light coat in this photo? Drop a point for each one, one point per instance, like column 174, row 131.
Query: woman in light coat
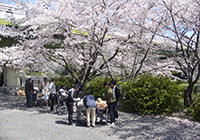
column 52, row 89
column 46, row 92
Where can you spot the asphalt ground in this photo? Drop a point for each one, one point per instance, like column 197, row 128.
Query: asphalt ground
column 17, row 122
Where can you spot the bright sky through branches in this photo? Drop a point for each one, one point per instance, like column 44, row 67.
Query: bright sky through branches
column 12, row 3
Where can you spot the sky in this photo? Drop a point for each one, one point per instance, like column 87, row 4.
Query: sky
column 9, row 10
column 12, row 3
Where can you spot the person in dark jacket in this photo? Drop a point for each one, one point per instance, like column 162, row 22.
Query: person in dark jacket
column 70, row 102
column 117, row 94
column 90, row 105
column 29, row 92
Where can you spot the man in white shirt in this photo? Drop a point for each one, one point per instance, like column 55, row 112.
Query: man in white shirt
column 52, row 89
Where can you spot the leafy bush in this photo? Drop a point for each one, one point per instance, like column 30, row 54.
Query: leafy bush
column 67, row 81
column 196, row 107
column 96, row 87
column 149, row 94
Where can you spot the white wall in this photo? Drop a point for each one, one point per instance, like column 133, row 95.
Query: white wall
column 11, row 76
column 10, row 11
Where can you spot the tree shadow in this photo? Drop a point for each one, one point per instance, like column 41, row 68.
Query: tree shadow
column 130, row 126
column 15, row 102
column 8, row 101
column 134, row 126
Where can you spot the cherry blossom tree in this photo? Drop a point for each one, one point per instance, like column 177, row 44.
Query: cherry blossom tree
column 81, row 34
column 98, row 32
column 179, row 35
column 139, row 52
column 90, row 38
column 18, row 55
column 167, row 26
column 185, row 28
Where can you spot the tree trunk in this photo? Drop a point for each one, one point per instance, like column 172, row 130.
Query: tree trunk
column 185, row 98
column 188, row 95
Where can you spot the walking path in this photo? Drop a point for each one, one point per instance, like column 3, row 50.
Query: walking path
column 20, row 123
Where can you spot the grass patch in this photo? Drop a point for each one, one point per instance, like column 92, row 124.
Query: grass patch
column 184, row 85
column 35, row 74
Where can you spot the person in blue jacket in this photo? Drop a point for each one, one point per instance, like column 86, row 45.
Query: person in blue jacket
column 90, row 105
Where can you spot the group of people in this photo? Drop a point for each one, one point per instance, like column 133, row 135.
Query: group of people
column 98, row 107
column 112, row 97
column 93, row 108
column 48, row 90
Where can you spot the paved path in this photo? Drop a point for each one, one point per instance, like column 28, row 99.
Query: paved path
column 20, row 123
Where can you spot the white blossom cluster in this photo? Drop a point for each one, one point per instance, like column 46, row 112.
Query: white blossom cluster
column 116, row 38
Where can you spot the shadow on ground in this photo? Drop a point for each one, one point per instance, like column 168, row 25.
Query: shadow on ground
column 9, row 101
column 130, row 126
column 134, row 126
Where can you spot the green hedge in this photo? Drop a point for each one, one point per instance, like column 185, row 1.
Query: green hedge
column 67, row 81
column 196, row 107
column 149, row 94
column 96, row 86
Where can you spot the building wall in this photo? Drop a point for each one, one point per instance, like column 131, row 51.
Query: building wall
column 36, row 82
column 11, row 76
column 10, row 11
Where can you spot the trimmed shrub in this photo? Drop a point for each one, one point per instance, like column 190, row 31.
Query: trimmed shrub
column 67, row 81
column 96, row 87
column 196, row 108
column 148, row 94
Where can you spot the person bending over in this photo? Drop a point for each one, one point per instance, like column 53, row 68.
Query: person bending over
column 89, row 103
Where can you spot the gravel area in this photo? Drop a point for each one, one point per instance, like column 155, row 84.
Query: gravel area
column 20, row 123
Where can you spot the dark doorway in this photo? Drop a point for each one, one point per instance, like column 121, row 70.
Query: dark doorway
column 2, row 78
